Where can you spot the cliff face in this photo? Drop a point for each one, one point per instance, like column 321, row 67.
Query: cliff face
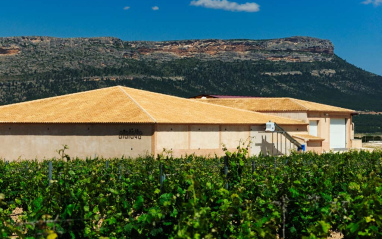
column 29, row 55
column 9, row 51
column 287, row 49
column 20, row 55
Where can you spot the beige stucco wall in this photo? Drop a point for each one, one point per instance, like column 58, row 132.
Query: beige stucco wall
column 172, row 137
column 269, row 143
column 323, row 127
column 356, row 143
column 234, row 135
column 295, row 129
column 203, row 140
column 349, row 132
column 314, row 146
column 31, row 141
column 298, row 115
column 323, row 130
column 204, row 137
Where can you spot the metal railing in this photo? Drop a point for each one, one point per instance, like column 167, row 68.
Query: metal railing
column 288, row 136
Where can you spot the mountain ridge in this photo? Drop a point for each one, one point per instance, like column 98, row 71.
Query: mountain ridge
column 29, row 52
column 307, row 68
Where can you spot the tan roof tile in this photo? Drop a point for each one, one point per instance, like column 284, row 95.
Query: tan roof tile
column 274, row 104
column 104, row 105
column 312, row 106
column 126, row 105
column 307, row 137
column 171, row 109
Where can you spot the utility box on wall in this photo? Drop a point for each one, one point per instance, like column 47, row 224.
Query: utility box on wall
column 270, row 127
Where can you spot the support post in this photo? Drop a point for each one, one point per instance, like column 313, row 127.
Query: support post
column 226, row 170
column 284, row 215
column 273, row 144
column 161, row 177
column 50, row 172
column 277, row 142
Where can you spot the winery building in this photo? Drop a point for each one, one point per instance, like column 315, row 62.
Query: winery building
column 329, row 127
column 117, row 121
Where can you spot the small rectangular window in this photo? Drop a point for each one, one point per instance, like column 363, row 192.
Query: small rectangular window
column 313, row 127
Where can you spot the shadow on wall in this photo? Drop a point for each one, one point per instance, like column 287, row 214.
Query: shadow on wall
column 122, row 131
column 268, row 148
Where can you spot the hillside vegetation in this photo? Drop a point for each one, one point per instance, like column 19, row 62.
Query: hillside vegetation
column 299, row 67
column 367, row 123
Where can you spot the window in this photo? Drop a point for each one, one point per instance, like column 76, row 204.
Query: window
column 313, row 127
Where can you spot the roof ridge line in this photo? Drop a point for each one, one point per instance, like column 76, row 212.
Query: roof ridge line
column 201, row 101
column 120, row 87
column 333, row 106
column 224, row 106
column 54, row 97
column 294, row 100
column 244, row 110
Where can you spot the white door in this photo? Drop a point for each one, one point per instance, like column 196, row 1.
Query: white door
column 313, row 127
column 337, row 133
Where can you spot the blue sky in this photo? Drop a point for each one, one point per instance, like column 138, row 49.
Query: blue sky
column 354, row 26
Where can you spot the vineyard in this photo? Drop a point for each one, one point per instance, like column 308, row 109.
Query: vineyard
column 298, row 196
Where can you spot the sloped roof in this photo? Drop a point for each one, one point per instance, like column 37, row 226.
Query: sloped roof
column 312, row 106
column 221, row 96
column 127, row 105
column 275, row 104
column 307, row 137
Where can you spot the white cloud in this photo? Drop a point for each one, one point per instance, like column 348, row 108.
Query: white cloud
column 155, row 8
column 126, row 8
column 374, row 2
column 229, row 6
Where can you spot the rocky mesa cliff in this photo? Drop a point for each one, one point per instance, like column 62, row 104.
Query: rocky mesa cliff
column 287, row 49
column 24, row 55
